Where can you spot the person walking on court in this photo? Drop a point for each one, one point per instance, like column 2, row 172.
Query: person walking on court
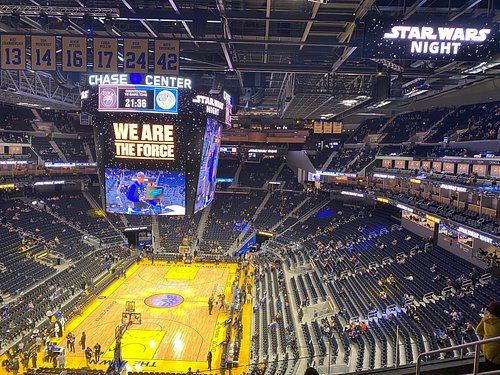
column 82, row 340
column 97, row 352
column 33, row 359
column 210, row 305
column 15, row 365
column 88, row 355
column 25, row 361
column 71, row 342
column 209, row 360
column 221, row 300
column 62, row 360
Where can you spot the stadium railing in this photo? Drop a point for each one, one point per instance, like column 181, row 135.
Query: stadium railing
column 475, row 344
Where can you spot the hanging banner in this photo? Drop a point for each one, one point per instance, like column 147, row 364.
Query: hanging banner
column 318, row 127
column 43, row 53
column 167, row 57
column 135, row 55
column 13, row 50
column 337, row 128
column 105, row 55
column 327, row 127
column 74, row 54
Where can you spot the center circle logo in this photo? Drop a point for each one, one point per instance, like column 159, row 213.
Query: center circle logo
column 164, row 301
column 165, row 99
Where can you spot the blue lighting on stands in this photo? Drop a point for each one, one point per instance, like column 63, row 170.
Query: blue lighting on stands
column 135, row 78
column 490, row 188
column 323, row 214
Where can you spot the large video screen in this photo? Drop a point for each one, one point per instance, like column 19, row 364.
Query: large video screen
column 143, row 129
column 208, row 166
column 142, row 192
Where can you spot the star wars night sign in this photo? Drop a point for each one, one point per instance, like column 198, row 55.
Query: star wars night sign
column 443, row 40
column 213, row 106
column 430, row 39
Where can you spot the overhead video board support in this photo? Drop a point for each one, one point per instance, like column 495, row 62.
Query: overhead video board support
column 155, row 235
column 30, row 10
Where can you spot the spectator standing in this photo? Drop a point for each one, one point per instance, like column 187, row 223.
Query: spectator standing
column 33, row 359
column 88, row 355
column 15, row 365
column 97, row 352
column 38, row 342
column 82, row 340
column 488, row 328
column 61, row 359
column 71, row 341
column 210, row 305
column 25, row 361
column 209, row 360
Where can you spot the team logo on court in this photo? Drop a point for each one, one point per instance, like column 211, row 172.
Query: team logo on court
column 163, row 301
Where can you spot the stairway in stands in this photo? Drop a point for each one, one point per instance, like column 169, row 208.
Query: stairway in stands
column 329, row 160
column 57, row 149
column 290, row 214
column 237, row 175
column 275, row 176
column 201, row 227
column 119, row 235
column 247, row 232
column 88, row 151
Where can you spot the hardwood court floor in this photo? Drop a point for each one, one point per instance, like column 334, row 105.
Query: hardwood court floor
column 176, row 331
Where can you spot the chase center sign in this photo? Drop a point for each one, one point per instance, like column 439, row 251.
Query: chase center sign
column 138, row 79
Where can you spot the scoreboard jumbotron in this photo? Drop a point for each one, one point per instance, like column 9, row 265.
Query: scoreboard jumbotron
column 157, row 142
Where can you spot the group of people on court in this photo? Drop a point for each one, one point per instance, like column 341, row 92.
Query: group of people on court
column 220, row 301
column 58, row 355
column 89, row 353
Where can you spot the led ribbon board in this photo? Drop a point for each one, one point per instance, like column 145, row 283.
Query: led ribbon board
column 430, row 39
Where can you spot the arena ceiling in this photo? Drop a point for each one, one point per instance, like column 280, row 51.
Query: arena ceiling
column 286, row 58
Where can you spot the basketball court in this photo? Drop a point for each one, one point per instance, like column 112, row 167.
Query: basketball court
column 176, row 331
